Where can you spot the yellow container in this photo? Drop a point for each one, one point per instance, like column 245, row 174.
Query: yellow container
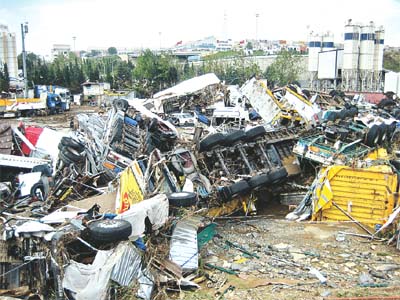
column 366, row 194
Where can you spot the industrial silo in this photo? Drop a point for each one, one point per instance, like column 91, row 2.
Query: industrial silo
column 8, row 51
column 328, row 42
column 314, row 47
column 378, row 57
column 350, row 56
column 367, row 50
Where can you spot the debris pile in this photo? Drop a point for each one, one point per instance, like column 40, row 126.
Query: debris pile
column 125, row 203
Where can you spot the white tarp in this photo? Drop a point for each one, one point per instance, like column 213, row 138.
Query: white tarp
column 189, row 86
column 156, row 209
column 88, row 282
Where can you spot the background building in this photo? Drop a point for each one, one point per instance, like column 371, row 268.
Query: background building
column 60, row 49
column 8, row 51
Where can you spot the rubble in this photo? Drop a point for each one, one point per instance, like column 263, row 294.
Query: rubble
column 128, row 203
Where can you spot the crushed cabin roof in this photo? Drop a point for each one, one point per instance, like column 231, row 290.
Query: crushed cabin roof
column 189, row 86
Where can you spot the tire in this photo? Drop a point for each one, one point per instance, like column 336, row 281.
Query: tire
column 255, row 133
column 391, row 129
column 70, row 142
column 278, row 175
column 259, row 180
column 73, row 155
column 236, row 189
column 234, row 137
column 121, row 104
column 353, row 111
column 373, row 136
column 38, row 187
column 396, row 164
column 65, row 159
column 182, row 199
column 211, row 141
column 383, row 137
column 342, row 114
column 108, row 231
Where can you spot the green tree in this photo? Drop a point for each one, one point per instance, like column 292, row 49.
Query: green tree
column 112, row 51
column 249, row 46
column 391, row 60
column 6, row 79
column 285, row 69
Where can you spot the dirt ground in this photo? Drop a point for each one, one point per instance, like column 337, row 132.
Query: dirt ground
column 280, row 254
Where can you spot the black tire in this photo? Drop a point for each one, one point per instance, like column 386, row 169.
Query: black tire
column 386, row 102
column 234, row 137
column 238, row 188
column 342, row 114
column 108, row 231
column 255, row 133
column 332, row 116
column 121, row 104
column 259, row 181
column 38, row 187
column 373, row 136
column 396, row 164
column 278, row 175
column 70, row 142
column 73, row 155
column 353, row 111
column 391, row 129
column 211, row 141
column 383, row 137
column 65, row 159
column 182, row 199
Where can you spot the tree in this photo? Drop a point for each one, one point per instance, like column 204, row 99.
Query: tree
column 112, row 51
column 249, row 46
column 285, row 69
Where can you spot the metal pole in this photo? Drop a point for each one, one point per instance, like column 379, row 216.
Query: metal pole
column 24, row 61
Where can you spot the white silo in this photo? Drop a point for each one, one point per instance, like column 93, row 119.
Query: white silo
column 350, row 55
column 367, row 50
column 378, row 57
column 8, row 50
column 328, row 42
column 314, row 47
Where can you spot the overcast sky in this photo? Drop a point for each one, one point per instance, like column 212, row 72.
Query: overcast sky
column 131, row 24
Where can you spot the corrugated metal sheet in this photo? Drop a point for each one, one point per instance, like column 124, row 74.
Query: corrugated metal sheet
column 368, row 194
column 128, row 267
column 184, row 251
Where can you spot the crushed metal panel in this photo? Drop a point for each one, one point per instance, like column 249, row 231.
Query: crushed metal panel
column 261, row 101
column 304, row 108
column 128, row 267
column 367, row 194
column 184, row 251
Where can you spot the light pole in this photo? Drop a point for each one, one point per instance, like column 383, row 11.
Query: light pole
column 112, row 70
column 74, row 38
column 24, row 31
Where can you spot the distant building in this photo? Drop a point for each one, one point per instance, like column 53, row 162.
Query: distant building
column 60, row 49
column 8, row 51
column 94, row 92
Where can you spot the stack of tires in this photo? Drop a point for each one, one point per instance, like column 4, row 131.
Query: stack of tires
column 71, row 151
column 379, row 134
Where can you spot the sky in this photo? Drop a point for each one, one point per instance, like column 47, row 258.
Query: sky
column 155, row 23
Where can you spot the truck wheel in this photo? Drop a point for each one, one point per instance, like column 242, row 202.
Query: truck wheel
column 254, row 133
column 211, row 141
column 391, row 129
column 383, row 137
column 182, row 199
column 108, row 231
column 65, row 159
column 73, row 155
column 373, row 135
column 121, row 104
column 70, row 142
column 234, row 137
column 332, row 116
column 278, row 175
column 238, row 188
column 37, row 190
column 259, row 180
